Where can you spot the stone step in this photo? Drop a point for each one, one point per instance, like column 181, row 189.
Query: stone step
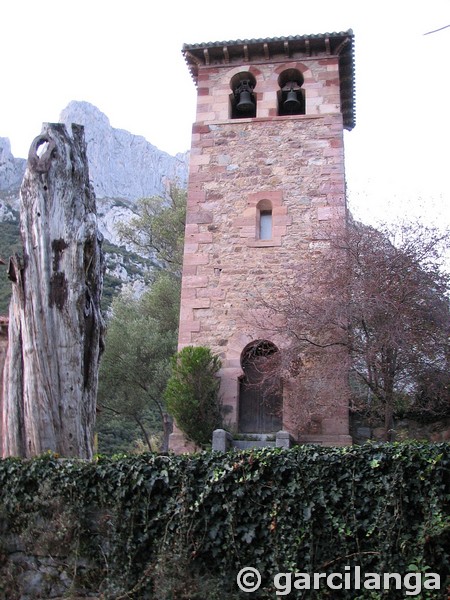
column 245, row 444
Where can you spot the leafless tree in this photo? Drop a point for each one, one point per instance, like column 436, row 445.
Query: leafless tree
column 377, row 300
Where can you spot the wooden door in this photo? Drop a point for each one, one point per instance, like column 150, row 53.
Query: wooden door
column 260, row 395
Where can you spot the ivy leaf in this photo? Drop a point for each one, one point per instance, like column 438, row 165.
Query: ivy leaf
column 249, row 536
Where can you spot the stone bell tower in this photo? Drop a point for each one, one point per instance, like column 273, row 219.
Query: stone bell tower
column 266, row 179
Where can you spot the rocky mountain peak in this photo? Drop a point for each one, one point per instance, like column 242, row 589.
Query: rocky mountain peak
column 121, row 164
column 11, row 169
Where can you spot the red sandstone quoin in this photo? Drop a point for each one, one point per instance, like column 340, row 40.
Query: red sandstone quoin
column 4, row 321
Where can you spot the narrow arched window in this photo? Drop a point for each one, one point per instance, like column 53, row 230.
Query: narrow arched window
column 264, row 220
column 265, row 225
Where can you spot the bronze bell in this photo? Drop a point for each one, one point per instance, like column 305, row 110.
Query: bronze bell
column 245, row 103
column 292, row 103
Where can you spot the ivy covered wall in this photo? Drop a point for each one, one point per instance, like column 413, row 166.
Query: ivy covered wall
column 182, row 527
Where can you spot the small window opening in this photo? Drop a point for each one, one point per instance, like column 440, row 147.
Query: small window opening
column 265, row 225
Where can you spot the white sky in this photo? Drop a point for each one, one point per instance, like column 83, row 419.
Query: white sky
column 125, row 58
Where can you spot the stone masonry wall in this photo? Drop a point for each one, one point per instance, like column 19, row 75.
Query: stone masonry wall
column 321, row 86
column 296, row 163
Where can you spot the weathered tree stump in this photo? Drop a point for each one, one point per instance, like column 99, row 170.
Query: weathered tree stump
column 56, row 327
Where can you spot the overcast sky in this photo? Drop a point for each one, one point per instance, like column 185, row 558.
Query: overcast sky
column 125, row 58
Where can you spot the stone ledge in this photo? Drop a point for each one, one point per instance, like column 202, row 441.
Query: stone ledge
column 223, row 440
column 264, row 243
column 326, row 440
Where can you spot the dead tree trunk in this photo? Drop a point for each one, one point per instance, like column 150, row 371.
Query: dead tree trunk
column 56, row 327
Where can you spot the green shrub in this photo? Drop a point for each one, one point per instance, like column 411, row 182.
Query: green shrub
column 192, row 393
column 9, row 245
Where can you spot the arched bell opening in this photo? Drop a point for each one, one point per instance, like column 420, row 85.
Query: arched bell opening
column 243, row 99
column 291, row 95
column 260, row 389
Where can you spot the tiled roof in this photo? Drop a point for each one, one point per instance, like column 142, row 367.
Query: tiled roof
column 289, row 38
column 338, row 43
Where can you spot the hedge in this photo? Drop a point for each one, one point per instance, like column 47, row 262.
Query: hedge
column 182, row 527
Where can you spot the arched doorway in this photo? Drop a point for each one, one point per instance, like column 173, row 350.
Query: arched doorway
column 260, row 392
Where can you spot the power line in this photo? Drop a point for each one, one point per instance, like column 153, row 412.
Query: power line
column 435, row 30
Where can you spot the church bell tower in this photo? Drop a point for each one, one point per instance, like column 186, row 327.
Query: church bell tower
column 266, row 179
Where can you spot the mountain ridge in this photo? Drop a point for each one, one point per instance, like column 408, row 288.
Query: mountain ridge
column 123, row 168
column 121, row 164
